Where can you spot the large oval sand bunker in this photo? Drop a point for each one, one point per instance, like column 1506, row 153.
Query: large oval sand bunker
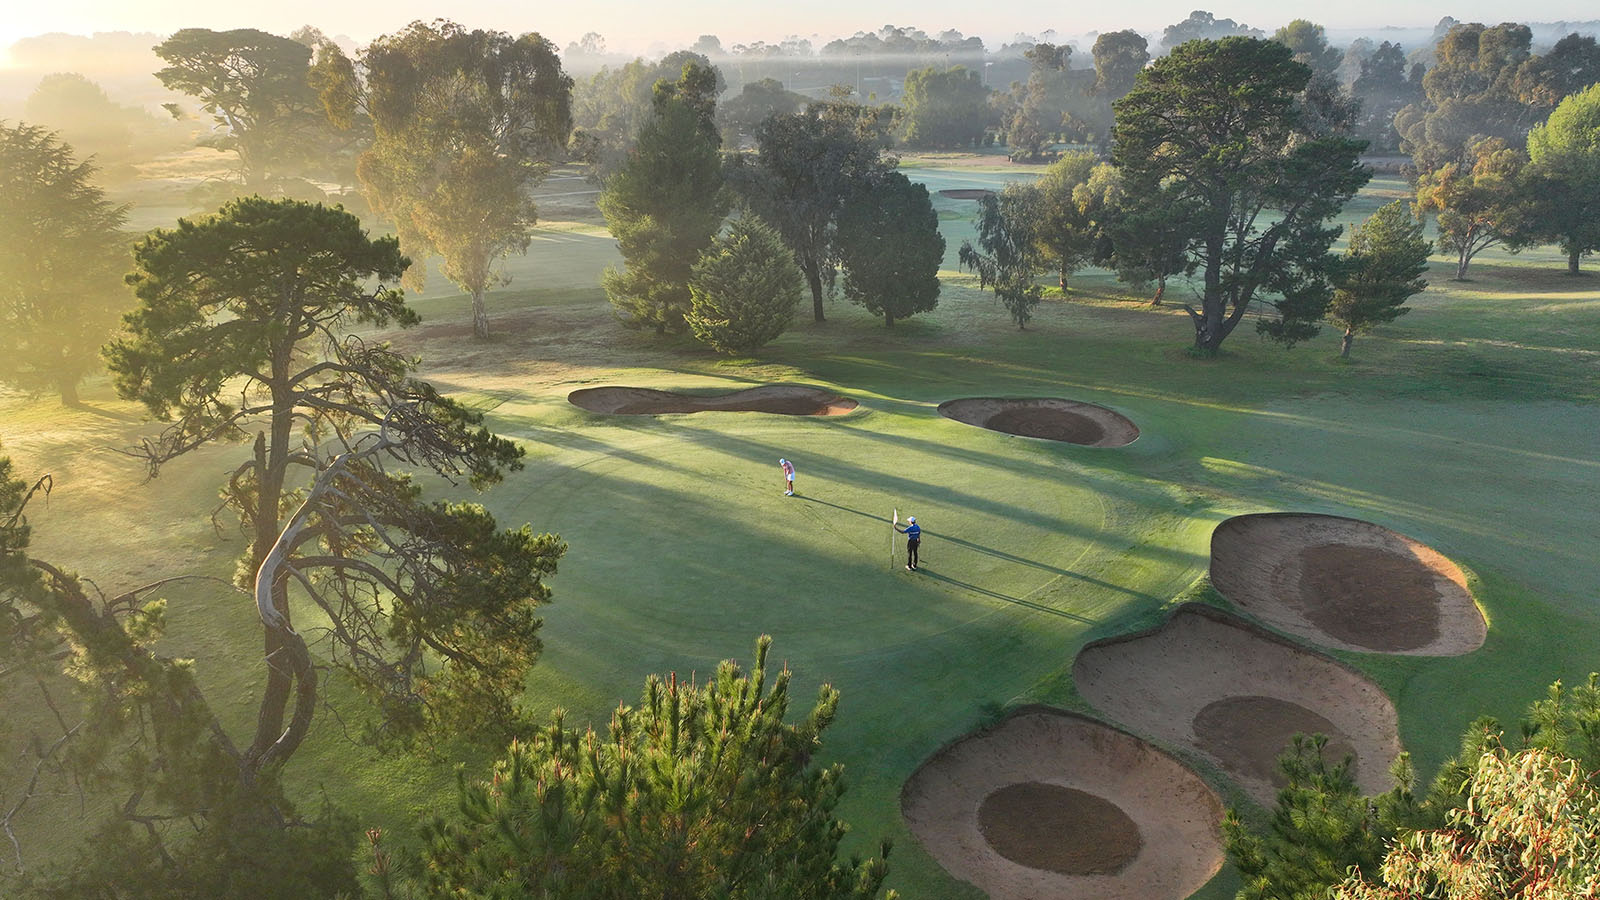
column 1052, row 804
column 1238, row 694
column 1050, row 418
column 1345, row 583
column 782, row 399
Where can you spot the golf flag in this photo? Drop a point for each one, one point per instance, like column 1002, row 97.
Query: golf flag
column 893, row 522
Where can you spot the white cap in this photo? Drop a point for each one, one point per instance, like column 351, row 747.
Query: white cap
column 911, row 518
column 782, row 460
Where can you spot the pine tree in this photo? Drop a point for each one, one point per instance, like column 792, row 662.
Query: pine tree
column 664, row 207
column 700, row 791
column 745, row 288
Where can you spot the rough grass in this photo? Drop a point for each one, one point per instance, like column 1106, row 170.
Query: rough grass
column 1468, row 424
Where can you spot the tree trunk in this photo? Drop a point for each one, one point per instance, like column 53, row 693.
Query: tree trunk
column 814, row 279
column 1344, row 348
column 1572, row 262
column 888, row 320
column 1063, row 279
column 1161, row 289
column 69, row 392
column 480, row 318
column 1463, row 259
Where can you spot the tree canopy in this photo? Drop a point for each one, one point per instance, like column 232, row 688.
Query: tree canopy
column 1564, row 170
column 745, row 288
column 1481, row 201
column 242, row 332
column 945, row 108
column 891, row 249
column 465, row 124
column 1007, row 256
column 1218, row 128
column 1381, row 270
column 664, row 206
column 699, row 791
column 809, row 165
column 62, row 257
column 254, row 85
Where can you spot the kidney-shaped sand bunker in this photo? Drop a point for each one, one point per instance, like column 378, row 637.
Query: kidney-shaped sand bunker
column 1345, row 583
column 1053, row 804
column 1050, row 418
column 782, row 399
column 1237, row 694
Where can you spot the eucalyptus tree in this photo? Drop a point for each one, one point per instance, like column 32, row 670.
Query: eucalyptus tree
column 465, row 124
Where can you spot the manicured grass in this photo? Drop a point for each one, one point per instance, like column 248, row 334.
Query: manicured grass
column 1468, row 424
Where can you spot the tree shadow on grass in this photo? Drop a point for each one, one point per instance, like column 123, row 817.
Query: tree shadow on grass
column 997, row 554
column 926, row 572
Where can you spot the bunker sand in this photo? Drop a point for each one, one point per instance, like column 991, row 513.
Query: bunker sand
column 1346, row 583
column 1050, row 418
column 1054, row 804
column 1236, row 693
column 781, row 399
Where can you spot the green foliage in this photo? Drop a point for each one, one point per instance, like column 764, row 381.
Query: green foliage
column 1309, row 43
column 611, row 107
column 1565, row 176
column 1320, row 828
column 1119, row 57
column 1382, row 269
column 465, row 122
column 1008, row 256
column 745, row 288
column 946, row 108
column 810, row 164
column 255, row 87
column 697, row 792
column 1056, row 101
column 664, row 207
column 1075, row 199
column 1217, row 129
column 1487, row 84
column 890, row 248
column 62, row 255
column 1528, row 830
column 1202, row 25
column 756, row 101
column 241, row 327
column 1384, row 86
column 1481, row 202
column 1149, row 236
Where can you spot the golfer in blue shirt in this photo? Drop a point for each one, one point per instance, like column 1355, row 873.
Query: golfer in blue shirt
column 913, row 533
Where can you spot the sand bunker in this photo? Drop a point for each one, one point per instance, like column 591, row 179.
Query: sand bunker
column 1237, row 694
column 1045, row 417
column 1345, row 583
column 1052, row 804
column 782, row 399
column 966, row 193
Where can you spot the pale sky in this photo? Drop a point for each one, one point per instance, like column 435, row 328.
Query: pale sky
column 636, row 25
